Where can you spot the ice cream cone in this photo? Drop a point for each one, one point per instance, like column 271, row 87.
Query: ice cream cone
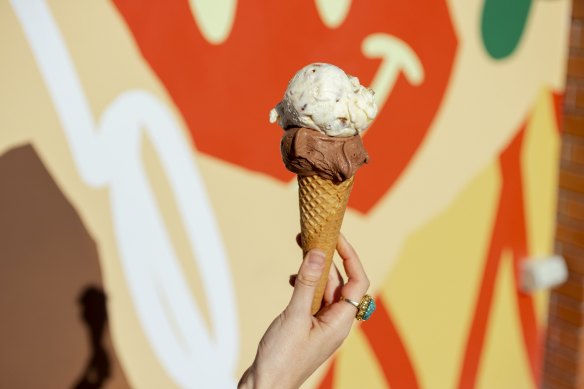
column 322, row 208
column 323, row 113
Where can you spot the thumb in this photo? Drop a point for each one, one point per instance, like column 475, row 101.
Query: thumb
column 308, row 277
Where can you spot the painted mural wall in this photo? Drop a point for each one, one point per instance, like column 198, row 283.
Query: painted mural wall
column 147, row 228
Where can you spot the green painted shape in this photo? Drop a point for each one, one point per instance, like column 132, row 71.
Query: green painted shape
column 502, row 25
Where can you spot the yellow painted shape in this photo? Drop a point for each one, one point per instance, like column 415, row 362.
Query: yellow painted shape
column 540, row 160
column 397, row 57
column 504, row 363
column 215, row 18
column 540, row 163
column 333, row 12
column 432, row 289
column 357, row 366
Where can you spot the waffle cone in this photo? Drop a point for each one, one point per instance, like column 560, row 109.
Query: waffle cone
column 322, row 208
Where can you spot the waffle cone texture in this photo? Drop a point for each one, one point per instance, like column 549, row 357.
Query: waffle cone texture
column 322, row 208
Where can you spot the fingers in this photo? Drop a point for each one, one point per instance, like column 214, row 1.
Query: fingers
column 306, row 281
column 357, row 283
column 352, row 265
column 334, row 283
column 292, row 280
column 332, row 291
column 353, row 268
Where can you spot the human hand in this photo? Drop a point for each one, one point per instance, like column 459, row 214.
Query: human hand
column 297, row 343
column 334, row 282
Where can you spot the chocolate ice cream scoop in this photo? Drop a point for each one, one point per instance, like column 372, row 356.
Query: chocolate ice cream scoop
column 307, row 152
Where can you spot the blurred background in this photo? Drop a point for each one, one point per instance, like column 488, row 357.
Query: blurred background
column 147, row 222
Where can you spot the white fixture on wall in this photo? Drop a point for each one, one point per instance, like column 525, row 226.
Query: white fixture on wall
column 543, row 273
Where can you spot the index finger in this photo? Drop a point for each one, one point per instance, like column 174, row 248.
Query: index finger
column 357, row 283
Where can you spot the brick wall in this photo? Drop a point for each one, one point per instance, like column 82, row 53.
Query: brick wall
column 564, row 353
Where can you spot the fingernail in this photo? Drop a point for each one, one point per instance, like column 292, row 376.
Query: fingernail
column 315, row 259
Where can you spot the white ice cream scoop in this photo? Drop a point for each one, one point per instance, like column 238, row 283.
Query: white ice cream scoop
column 323, row 97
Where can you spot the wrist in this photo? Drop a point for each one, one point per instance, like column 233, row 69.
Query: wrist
column 252, row 379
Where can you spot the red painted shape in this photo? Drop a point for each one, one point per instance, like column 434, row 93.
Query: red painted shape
column 329, row 379
column 533, row 336
column 226, row 90
column 509, row 232
column 516, row 239
column 389, row 350
column 474, row 344
column 558, row 108
column 391, row 353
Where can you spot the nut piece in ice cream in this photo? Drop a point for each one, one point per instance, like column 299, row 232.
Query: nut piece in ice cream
column 323, row 97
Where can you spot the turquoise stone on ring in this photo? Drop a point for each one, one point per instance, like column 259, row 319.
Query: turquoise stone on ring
column 366, row 308
column 369, row 310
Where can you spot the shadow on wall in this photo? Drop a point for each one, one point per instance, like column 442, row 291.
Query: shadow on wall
column 94, row 313
column 49, row 275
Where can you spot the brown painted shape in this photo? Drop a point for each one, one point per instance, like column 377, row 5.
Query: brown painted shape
column 48, row 265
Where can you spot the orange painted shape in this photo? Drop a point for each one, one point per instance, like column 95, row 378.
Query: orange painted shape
column 329, row 379
column 226, row 90
column 533, row 336
column 558, row 99
column 477, row 332
column 509, row 232
column 389, row 350
column 386, row 343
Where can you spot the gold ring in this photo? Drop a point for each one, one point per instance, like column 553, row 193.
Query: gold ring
column 365, row 307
